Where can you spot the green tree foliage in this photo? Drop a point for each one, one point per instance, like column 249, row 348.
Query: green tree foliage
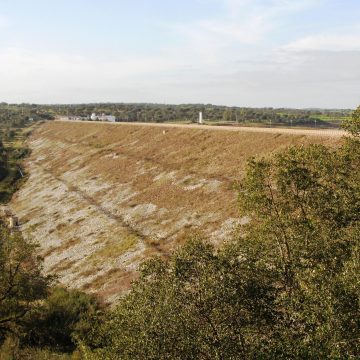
column 59, row 320
column 353, row 124
column 305, row 204
column 228, row 115
column 33, row 315
column 11, row 154
column 17, row 116
column 21, row 282
column 36, row 320
column 202, row 304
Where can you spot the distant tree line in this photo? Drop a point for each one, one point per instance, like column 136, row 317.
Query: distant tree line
column 18, row 115
column 14, row 119
column 186, row 112
column 211, row 113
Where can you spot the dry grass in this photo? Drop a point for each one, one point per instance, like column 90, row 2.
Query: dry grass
column 116, row 277
column 214, row 155
column 63, row 247
column 63, row 266
column 114, row 248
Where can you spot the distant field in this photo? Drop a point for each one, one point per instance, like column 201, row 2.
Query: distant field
column 100, row 198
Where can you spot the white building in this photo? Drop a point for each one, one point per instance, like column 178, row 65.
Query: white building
column 103, row 117
column 109, row 118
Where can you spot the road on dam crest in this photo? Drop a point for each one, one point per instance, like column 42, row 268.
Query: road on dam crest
column 309, row 132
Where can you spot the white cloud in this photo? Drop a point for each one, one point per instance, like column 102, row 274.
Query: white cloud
column 301, row 79
column 248, row 31
column 326, row 42
column 240, row 22
column 275, row 6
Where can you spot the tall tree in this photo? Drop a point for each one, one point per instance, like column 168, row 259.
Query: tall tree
column 21, row 281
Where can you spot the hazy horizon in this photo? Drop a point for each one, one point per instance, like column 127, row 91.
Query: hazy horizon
column 247, row 53
column 171, row 104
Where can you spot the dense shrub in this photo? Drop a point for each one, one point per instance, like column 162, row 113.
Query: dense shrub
column 61, row 317
column 21, row 281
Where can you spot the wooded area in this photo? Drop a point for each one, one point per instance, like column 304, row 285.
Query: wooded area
column 183, row 113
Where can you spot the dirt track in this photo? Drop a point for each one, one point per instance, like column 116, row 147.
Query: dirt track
column 289, row 131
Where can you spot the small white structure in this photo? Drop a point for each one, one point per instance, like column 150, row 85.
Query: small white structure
column 103, row 117
column 10, row 220
column 200, row 117
column 13, row 222
column 109, row 118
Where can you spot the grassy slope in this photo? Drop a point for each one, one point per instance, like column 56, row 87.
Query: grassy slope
column 101, row 198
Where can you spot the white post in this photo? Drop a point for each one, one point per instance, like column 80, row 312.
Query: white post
column 200, row 117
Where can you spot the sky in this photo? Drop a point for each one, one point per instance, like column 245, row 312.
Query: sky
column 255, row 53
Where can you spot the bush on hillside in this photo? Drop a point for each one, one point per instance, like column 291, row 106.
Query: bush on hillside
column 21, row 281
column 64, row 315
